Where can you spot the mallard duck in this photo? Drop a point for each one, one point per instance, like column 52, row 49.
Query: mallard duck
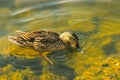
column 45, row 41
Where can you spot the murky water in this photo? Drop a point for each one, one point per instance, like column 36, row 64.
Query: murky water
column 97, row 22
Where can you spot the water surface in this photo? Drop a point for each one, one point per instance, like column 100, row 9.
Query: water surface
column 97, row 22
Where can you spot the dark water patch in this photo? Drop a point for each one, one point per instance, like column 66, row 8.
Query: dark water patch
column 2, row 61
column 109, row 48
column 26, row 62
column 25, row 78
column 3, row 32
column 14, row 61
column 105, row 65
column 19, row 67
column 22, row 63
column 60, row 56
column 96, row 21
column 116, row 37
column 7, row 3
column 36, row 68
column 60, row 68
column 64, row 70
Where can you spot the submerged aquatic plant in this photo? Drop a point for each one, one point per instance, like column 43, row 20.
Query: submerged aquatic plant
column 108, row 69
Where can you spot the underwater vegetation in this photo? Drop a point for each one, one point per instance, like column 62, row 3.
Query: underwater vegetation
column 108, row 69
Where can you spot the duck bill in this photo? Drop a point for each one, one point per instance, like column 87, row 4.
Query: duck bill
column 75, row 44
column 14, row 40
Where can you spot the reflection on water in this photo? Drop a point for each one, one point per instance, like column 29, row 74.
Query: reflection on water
column 95, row 21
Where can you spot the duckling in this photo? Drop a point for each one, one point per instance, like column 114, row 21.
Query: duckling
column 45, row 41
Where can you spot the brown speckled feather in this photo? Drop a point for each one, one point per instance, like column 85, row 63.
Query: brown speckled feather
column 42, row 40
column 47, row 41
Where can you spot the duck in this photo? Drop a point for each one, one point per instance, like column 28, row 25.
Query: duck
column 45, row 41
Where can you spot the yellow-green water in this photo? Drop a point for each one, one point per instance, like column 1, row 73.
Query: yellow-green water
column 97, row 22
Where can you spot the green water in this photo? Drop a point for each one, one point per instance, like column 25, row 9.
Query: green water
column 97, row 23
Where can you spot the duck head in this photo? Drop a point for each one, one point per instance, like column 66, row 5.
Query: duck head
column 70, row 38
